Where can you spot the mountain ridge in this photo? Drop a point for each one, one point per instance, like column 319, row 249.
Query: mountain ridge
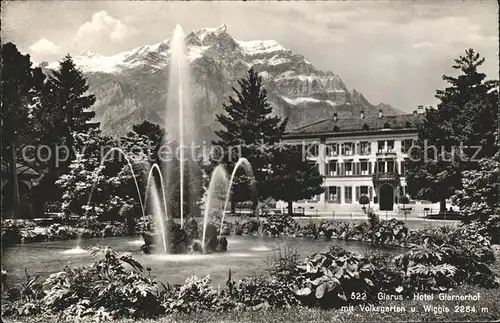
column 131, row 86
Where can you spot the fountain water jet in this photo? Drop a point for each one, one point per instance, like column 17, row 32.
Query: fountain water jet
column 178, row 103
column 218, row 174
column 249, row 172
column 159, row 219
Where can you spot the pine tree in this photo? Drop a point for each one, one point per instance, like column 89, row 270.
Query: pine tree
column 72, row 88
column 294, row 178
column 466, row 116
column 249, row 128
column 19, row 89
column 155, row 134
column 62, row 112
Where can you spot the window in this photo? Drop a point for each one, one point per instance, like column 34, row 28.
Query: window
column 380, row 166
column 390, row 166
column 348, row 194
column 348, row 149
column 333, row 194
column 332, row 149
column 364, row 167
column 332, row 169
column 380, row 146
column 390, row 145
column 348, row 168
column 365, row 148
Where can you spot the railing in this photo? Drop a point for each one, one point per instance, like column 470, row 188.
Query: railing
column 386, row 152
column 385, row 177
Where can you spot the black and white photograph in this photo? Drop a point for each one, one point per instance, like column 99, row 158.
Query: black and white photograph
column 250, row 161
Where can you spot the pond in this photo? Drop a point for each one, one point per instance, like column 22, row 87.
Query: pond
column 246, row 256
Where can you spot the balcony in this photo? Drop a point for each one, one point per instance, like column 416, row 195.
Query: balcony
column 385, row 177
column 386, row 153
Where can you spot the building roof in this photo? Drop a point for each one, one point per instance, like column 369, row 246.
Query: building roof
column 408, row 122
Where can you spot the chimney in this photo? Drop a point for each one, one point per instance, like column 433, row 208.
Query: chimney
column 414, row 112
column 362, row 114
column 420, row 109
column 335, row 116
column 380, row 114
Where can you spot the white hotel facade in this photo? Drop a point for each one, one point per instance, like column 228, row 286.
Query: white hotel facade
column 358, row 156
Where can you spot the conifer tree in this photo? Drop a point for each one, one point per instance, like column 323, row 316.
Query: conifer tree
column 63, row 111
column 467, row 116
column 249, row 131
column 252, row 132
column 20, row 83
column 73, row 99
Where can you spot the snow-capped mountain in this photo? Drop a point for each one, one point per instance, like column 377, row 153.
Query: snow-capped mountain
column 132, row 86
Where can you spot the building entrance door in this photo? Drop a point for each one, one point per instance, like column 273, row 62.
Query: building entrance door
column 386, row 198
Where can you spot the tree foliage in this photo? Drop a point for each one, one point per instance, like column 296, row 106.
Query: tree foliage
column 252, row 132
column 294, row 177
column 20, row 85
column 466, row 119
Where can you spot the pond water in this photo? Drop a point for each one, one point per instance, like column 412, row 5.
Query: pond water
column 246, row 256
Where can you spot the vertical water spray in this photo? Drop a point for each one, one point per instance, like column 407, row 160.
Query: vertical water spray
column 178, row 112
column 248, row 171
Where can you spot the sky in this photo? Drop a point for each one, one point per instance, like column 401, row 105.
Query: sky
column 393, row 52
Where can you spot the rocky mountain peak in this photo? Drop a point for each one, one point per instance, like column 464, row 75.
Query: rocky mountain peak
column 131, row 86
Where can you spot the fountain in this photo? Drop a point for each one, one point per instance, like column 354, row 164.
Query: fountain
column 170, row 237
column 219, row 176
column 179, row 114
column 249, row 172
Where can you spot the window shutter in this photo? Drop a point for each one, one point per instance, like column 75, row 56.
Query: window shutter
column 357, row 193
column 370, row 190
column 339, row 192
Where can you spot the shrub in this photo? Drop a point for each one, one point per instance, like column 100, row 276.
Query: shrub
column 279, row 224
column 489, row 228
column 373, row 220
column 104, row 289
column 386, row 233
column 433, row 267
column 336, row 278
column 310, row 230
column 197, row 294
column 24, row 301
column 251, row 226
column 262, row 292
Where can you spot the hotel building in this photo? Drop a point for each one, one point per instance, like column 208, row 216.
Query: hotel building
column 358, row 156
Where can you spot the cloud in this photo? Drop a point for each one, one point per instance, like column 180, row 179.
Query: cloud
column 101, row 28
column 423, row 44
column 44, row 47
